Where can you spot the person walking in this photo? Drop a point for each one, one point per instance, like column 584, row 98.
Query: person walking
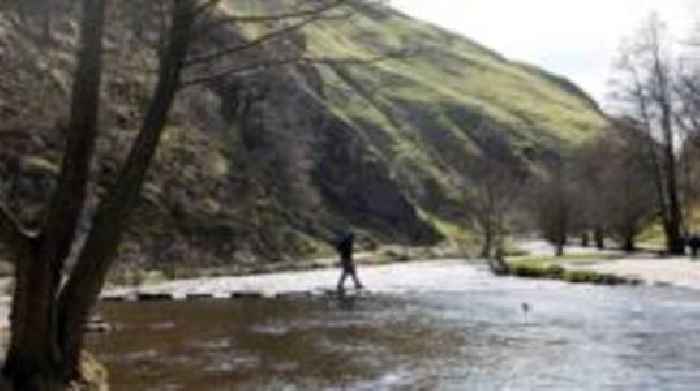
column 345, row 248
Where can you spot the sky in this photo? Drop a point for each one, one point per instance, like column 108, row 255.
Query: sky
column 576, row 39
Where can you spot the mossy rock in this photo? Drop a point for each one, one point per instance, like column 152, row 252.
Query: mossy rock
column 95, row 375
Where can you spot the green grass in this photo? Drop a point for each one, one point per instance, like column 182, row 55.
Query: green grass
column 411, row 100
column 576, row 259
column 543, row 269
column 653, row 236
column 536, row 108
column 564, row 269
column 461, row 71
column 458, row 236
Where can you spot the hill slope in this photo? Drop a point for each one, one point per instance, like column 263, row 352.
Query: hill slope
column 261, row 165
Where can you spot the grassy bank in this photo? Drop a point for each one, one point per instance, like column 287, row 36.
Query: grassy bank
column 553, row 268
column 570, row 259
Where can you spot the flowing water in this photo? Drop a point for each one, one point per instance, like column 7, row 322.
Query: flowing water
column 425, row 327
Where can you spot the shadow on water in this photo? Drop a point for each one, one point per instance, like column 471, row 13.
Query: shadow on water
column 574, row 338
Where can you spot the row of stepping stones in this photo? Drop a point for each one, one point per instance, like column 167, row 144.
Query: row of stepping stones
column 164, row 296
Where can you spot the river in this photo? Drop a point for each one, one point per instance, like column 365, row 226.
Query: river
column 431, row 326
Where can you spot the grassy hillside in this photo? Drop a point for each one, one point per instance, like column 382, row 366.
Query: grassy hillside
column 451, row 70
column 269, row 164
column 425, row 113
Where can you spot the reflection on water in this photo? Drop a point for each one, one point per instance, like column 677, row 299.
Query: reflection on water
column 576, row 338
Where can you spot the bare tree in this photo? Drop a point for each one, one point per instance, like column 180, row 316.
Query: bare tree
column 646, row 89
column 554, row 204
column 493, row 182
column 616, row 174
column 688, row 121
column 588, row 198
column 52, row 302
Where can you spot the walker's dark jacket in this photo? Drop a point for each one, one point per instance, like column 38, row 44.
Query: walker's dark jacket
column 344, row 248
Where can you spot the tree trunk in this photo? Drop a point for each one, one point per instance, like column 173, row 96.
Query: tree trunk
column 561, row 237
column 674, row 236
column 34, row 360
column 599, row 238
column 560, row 243
column 31, row 363
column 488, row 242
column 674, row 239
column 585, row 239
column 560, row 249
column 82, row 290
column 675, row 243
column 47, row 326
column 629, row 245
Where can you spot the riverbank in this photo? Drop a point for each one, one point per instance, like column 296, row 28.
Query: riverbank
column 644, row 266
column 543, row 269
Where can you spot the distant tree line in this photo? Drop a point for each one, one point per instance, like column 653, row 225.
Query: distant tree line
column 604, row 189
column 640, row 171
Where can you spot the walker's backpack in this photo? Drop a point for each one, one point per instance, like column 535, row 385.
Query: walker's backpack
column 343, row 243
column 340, row 241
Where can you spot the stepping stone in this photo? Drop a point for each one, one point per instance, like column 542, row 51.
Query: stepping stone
column 199, row 296
column 347, row 292
column 142, row 296
column 114, row 298
column 294, row 295
column 246, row 295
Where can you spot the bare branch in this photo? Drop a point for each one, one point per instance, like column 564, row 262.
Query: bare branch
column 69, row 198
